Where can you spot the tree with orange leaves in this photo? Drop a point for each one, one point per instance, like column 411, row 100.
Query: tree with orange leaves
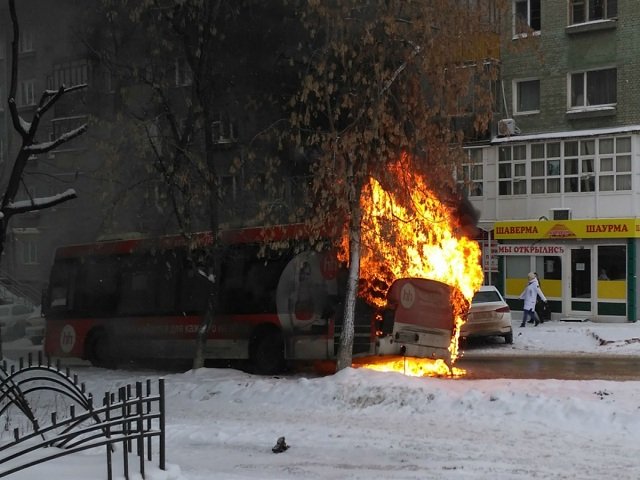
column 383, row 78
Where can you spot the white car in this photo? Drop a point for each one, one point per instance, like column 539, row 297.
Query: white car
column 489, row 316
column 34, row 327
column 12, row 320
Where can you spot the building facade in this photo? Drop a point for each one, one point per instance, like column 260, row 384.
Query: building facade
column 558, row 186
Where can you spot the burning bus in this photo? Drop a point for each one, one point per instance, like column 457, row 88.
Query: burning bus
column 117, row 301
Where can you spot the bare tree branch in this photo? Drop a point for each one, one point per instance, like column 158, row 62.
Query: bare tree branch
column 52, row 96
column 38, row 203
column 37, row 148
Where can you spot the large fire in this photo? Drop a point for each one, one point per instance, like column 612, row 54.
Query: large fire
column 415, row 235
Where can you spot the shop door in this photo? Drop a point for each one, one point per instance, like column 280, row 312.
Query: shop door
column 580, row 284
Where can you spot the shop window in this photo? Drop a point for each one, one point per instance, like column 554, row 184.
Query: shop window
column 526, row 16
column 516, row 270
column 581, row 11
column 527, row 98
column 472, row 173
column 549, row 270
column 593, row 88
column 517, row 267
column 512, row 170
column 612, row 262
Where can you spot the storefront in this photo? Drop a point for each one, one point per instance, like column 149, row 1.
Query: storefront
column 587, row 268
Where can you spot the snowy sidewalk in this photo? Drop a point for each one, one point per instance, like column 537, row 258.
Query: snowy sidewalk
column 562, row 337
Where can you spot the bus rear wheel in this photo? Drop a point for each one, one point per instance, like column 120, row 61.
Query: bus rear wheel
column 98, row 350
column 267, row 356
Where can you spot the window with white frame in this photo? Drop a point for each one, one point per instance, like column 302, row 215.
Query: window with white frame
column 69, row 74
column 27, row 92
column 581, row 11
column 29, row 247
column 228, row 187
column 545, row 168
column 593, row 88
column 512, row 170
column 579, row 166
column 614, row 164
column 25, row 42
column 183, row 73
column 471, row 175
column 526, row 16
column 572, row 166
column 527, row 96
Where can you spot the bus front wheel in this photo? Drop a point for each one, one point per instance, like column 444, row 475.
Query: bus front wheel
column 98, row 350
column 267, row 357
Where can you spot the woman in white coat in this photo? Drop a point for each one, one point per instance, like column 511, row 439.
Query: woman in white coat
column 530, row 295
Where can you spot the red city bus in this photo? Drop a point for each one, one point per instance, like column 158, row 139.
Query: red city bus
column 125, row 300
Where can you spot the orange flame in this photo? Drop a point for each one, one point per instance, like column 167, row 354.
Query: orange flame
column 414, row 235
column 412, row 367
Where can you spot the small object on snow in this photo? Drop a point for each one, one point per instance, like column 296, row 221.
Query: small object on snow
column 280, row 447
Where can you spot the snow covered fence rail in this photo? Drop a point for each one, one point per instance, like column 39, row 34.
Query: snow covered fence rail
column 132, row 418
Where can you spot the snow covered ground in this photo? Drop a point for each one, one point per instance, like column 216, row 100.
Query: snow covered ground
column 361, row 424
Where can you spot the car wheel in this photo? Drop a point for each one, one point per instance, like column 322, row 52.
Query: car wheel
column 508, row 338
column 98, row 350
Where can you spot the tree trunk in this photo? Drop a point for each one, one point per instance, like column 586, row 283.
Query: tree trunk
column 215, row 251
column 203, row 330
column 345, row 349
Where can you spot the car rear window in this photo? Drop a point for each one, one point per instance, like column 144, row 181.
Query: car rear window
column 486, row 296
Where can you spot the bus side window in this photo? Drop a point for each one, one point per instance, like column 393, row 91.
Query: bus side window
column 166, row 279
column 61, row 291
column 98, row 286
column 261, row 283
column 232, row 297
column 136, row 295
column 147, row 285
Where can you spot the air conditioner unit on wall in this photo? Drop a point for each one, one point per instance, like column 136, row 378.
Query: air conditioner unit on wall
column 561, row 214
column 507, row 127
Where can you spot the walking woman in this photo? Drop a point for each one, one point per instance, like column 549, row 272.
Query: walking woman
column 530, row 295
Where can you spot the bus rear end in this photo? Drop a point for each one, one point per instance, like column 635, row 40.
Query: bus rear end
column 418, row 320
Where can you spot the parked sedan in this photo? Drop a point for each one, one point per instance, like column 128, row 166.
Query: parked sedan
column 489, row 316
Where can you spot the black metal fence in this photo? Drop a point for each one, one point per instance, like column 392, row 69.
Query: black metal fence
column 130, row 419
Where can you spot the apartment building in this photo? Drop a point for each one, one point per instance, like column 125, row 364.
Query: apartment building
column 558, row 186
column 48, row 56
column 61, row 43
